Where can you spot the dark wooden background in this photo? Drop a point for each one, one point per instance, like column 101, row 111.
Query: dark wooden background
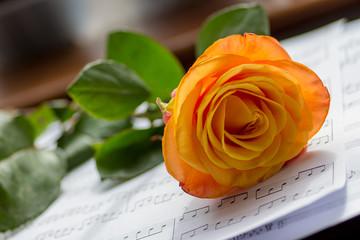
column 47, row 58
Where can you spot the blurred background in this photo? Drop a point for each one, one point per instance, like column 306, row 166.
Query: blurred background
column 45, row 43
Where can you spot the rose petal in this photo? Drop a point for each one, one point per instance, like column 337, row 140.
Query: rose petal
column 207, row 72
column 184, row 130
column 234, row 177
column 252, row 46
column 312, row 89
column 192, row 181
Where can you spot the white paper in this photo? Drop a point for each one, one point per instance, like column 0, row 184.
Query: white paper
column 344, row 204
column 152, row 206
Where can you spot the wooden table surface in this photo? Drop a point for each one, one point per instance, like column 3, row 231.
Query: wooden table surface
column 46, row 76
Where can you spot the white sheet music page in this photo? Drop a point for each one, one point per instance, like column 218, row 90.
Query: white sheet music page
column 152, row 206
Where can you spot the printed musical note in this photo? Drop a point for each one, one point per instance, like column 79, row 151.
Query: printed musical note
column 44, row 235
column 307, row 193
column 64, row 232
column 106, row 217
column 351, row 175
column 229, row 222
column 326, row 123
column 161, row 230
column 266, row 191
column 142, row 202
column 232, row 199
column 150, row 232
column 164, row 198
column 310, row 172
column 195, row 212
column 89, row 221
column 77, row 210
column 350, row 104
column 319, row 140
column 193, row 232
column 270, row 204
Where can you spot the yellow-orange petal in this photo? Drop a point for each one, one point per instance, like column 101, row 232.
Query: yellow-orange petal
column 313, row 90
column 207, row 73
column 253, row 47
column 192, row 181
column 185, row 130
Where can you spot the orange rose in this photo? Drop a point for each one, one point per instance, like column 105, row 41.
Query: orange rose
column 242, row 110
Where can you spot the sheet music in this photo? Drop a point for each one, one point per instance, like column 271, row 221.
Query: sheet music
column 152, row 206
column 345, row 204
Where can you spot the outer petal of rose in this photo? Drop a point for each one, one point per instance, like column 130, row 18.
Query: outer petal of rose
column 185, row 129
column 314, row 92
column 251, row 46
column 192, row 181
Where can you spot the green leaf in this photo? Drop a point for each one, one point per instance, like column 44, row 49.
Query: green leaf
column 15, row 133
column 108, row 90
column 238, row 19
column 41, row 118
column 158, row 67
column 99, row 128
column 63, row 109
column 77, row 143
column 129, row 153
column 29, row 183
column 77, row 147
